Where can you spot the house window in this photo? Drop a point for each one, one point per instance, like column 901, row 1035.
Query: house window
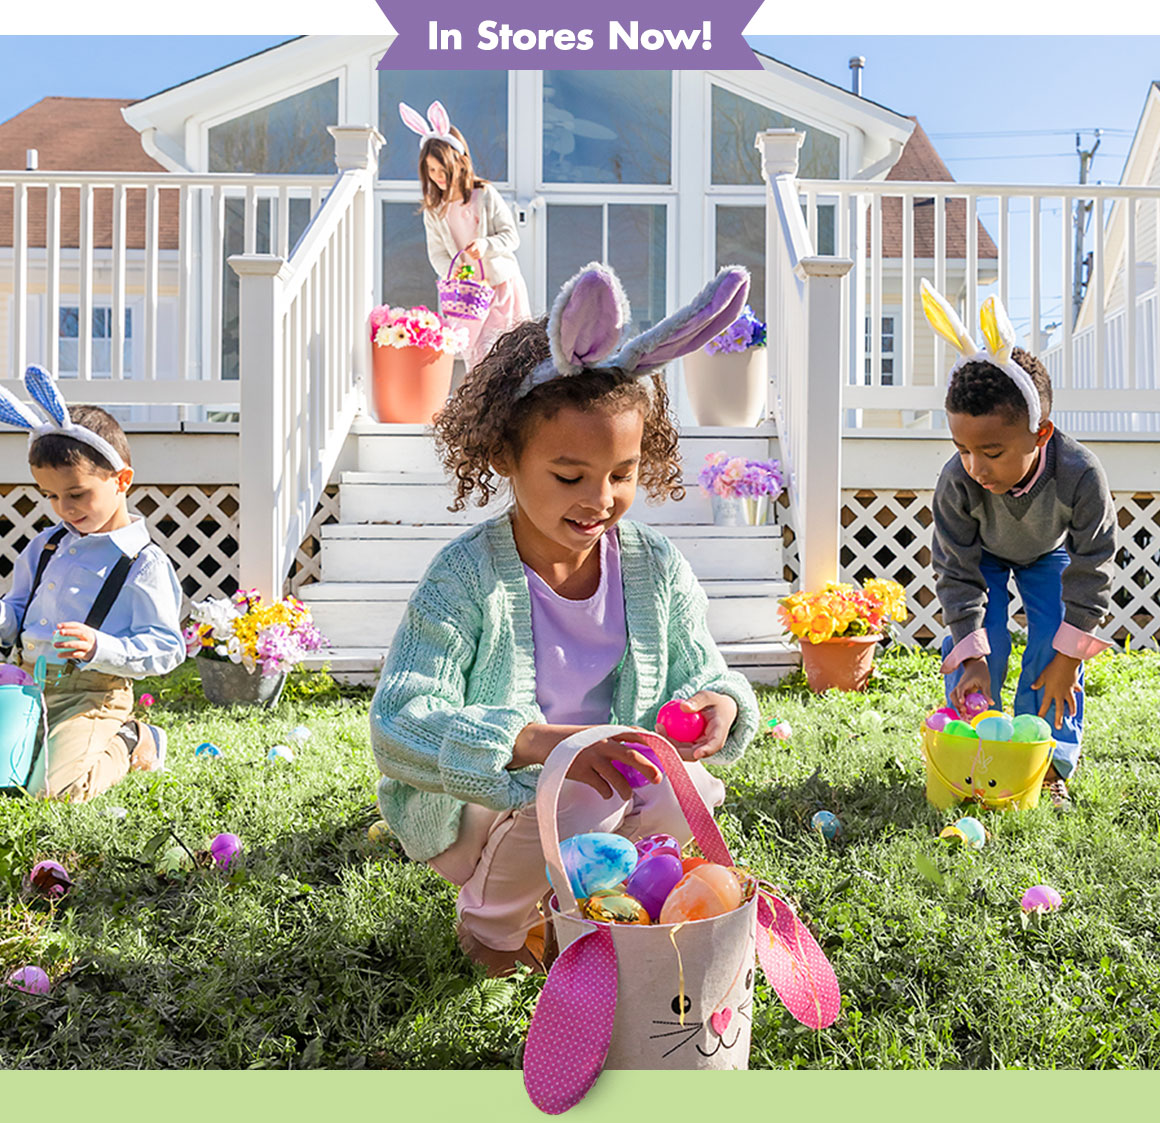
column 737, row 120
column 68, row 356
column 888, row 323
column 475, row 100
column 741, row 241
column 607, row 126
column 629, row 237
column 286, row 136
column 408, row 278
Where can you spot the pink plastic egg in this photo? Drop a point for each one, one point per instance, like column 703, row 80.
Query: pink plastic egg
column 12, row 675
column 1041, row 898
column 937, row 721
column 50, row 879
column 680, row 725
column 975, row 703
column 146, row 700
column 705, row 891
column 653, row 880
column 657, row 844
column 31, row 980
column 225, row 848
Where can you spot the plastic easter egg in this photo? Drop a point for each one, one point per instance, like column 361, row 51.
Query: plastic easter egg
column 1041, row 898
column 50, row 879
column 597, row 861
column 692, row 863
column 207, row 750
column 300, row 734
column 997, row 728
column 12, row 675
column 937, row 721
column 614, row 906
column 146, row 700
column 283, row 753
column 637, row 779
column 870, row 719
column 225, row 848
column 378, row 833
column 951, row 713
column 31, row 980
column 653, row 880
column 780, row 729
column 657, row 844
column 174, row 860
column 959, row 729
column 827, row 824
column 115, row 812
column 680, row 725
column 983, row 716
column 1030, row 727
column 975, row 703
column 970, row 832
column 705, row 891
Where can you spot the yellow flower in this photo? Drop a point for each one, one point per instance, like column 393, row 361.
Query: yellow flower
column 822, row 627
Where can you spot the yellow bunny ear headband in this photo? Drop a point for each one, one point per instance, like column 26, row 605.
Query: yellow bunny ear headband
column 1000, row 341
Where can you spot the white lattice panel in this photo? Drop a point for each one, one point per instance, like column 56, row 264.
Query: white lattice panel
column 308, row 559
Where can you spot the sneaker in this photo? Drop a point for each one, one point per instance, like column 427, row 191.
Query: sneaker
column 146, row 754
column 1056, row 788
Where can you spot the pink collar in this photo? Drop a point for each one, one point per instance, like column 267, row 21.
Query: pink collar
column 1018, row 491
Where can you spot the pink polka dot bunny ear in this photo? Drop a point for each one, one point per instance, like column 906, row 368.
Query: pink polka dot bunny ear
column 795, row 965
column 437, row 126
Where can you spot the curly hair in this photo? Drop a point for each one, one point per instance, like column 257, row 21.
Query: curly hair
column 978, row 388
column 485, row 419
column 56, row 450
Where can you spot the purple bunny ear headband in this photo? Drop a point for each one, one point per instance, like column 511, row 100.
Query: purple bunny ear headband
column 436, row 127
column 591, row 312
column 42, row 386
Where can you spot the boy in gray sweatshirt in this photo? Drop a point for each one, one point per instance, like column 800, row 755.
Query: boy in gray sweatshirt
column 1020, row 498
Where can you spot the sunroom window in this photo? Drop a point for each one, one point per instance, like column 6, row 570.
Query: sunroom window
column 475, row 100
column 286, row 136
column 603, row 126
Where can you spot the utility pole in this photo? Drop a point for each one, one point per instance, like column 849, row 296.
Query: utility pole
column 1082, row 210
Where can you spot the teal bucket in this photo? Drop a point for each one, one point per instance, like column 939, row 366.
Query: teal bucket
column 21, row 708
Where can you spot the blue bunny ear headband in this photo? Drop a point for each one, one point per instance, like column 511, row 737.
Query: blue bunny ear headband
column 591, row 313
column 42, row 387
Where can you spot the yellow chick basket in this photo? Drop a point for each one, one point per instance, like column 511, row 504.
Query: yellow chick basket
column 1000, row 775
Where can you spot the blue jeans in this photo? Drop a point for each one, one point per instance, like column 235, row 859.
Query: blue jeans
column 1040, row 585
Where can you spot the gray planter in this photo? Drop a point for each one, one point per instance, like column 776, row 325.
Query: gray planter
column 230, row 684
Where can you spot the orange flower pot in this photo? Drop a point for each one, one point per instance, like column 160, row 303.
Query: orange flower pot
column 843, row 662
column 409, row 384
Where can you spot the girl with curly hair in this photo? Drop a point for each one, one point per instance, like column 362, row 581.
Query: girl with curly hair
column 554, row 616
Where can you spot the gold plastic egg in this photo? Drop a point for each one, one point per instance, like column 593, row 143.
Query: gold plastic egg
column 614, row 906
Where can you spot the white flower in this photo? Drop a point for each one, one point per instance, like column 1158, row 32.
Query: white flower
column 218, row 614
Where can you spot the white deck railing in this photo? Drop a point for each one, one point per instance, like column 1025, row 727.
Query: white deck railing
column 163, row 243
column 1105, row 367
column 304, row 352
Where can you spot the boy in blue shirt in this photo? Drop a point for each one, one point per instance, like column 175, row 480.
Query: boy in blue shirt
column 93, row 595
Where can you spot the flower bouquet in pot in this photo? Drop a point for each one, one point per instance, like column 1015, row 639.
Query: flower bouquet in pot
column 412, row 361
column 838, row 628
column 743, row 491
column 726, row 379
column 247, row 645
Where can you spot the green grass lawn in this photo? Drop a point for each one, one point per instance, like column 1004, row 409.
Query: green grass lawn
column 325, row 951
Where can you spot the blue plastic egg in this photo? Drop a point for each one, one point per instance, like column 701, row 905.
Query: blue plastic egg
column 997, row 728
column 597, row 861
column 827, row 824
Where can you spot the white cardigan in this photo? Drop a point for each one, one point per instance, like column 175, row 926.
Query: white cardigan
column 496, row 227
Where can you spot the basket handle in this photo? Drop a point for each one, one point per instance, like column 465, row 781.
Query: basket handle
column 451, row 267
column 697, row 813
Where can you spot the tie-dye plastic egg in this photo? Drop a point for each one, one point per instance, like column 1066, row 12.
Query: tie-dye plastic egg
column 596, row 861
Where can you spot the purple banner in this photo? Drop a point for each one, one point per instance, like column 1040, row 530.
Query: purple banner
column 595, row 35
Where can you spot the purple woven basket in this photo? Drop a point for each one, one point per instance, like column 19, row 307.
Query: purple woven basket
column 464, row 300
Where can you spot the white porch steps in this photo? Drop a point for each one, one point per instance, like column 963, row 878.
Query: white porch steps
column 371, row 565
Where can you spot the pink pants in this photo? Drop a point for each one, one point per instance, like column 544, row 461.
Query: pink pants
column 499, row 866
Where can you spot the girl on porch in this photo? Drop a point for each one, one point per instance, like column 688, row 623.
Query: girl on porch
column 463, row 213
column 1019, row 498
column 518, row 635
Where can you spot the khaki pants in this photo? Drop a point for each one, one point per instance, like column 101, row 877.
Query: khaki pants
column 83, row 756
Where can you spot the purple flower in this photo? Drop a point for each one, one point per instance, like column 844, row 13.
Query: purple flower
column 745, row 332
column 740, row 478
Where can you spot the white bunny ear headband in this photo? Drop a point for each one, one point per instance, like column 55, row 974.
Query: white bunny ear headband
column 42, row 386
column 436, row 127
column 1000, row 340
column 591, row 312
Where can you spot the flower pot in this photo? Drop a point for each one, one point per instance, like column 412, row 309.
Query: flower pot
column 409, row 383
column 729, row 510
column 843, row 662
column 231, row 684
column 727, row 389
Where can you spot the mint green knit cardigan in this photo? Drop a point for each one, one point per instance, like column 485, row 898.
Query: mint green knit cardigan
column 460, row 682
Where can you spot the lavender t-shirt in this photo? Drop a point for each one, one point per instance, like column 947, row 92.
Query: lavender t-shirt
column 579, row 644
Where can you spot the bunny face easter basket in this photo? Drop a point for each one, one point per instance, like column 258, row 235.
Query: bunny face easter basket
column 462, row 298
column 660, row 996
column 22, row 725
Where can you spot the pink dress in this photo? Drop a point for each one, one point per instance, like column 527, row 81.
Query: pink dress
column 510, row 305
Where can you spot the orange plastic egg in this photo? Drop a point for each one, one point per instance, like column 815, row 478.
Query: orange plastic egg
column 705, row 891
column 692, row 863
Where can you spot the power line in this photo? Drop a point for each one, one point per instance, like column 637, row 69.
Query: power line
column 1027, row 132
column 1033, row 156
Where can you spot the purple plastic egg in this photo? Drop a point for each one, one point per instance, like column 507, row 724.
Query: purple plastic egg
column 937, row 721
column 975, row 703
column 654, row 879
column 1041, row 898
column 225, row 848
column 31, row 980
column 637, row 779
column 50, row 879
column 12, row 675
column 657, row 844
